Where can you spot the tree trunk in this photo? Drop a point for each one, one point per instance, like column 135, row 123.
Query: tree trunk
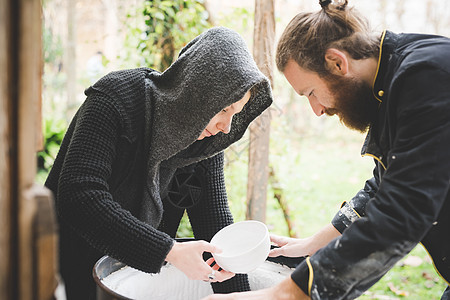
column 258, row 162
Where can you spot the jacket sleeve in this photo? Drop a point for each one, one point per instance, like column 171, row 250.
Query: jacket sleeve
column 84, row 202
column 213, row 213
column 356, row 207
column 409, row 197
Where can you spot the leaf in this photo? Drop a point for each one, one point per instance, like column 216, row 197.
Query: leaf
column 412, row 260
column 159, row 15
column 170, row 12
column 427, row 276
column 397, row 291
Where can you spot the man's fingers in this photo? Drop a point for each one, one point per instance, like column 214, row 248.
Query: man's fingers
column 278, row 240
column 276, row 252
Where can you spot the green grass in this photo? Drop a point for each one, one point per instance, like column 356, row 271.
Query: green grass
column 409, row 281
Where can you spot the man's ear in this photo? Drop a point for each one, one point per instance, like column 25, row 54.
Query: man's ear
column 336, row 61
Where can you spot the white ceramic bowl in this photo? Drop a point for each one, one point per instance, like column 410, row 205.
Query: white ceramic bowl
column 245, row 245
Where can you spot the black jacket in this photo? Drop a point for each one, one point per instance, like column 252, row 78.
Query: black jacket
column 408, row 200
column 130, row 164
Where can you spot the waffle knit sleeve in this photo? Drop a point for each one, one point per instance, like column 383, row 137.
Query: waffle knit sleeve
column 84, row 202
column 213, row 213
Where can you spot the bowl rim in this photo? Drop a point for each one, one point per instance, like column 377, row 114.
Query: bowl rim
column 246, row 251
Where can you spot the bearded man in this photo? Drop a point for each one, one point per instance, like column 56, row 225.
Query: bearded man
column 396, row 87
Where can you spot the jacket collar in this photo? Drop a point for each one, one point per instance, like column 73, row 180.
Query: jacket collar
column 388, row 43
column 379, row 89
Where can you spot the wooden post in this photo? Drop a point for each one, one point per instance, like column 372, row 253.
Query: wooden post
column 45, row 242
column 6, row 151
column 28, row 95
column 258, row 163
column 28, row 232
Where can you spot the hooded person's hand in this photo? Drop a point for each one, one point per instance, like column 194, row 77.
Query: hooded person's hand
column 188, row 258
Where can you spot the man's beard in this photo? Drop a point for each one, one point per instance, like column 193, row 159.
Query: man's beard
column 354, row 102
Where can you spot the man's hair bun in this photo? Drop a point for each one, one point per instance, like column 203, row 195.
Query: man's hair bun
column 337, row 4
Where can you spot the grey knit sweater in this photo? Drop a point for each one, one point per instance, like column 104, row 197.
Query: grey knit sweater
column 130, row 163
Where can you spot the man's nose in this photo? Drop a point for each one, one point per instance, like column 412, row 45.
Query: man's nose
column 317, row 108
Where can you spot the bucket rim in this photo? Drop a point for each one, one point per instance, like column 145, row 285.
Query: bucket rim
column 98, row 279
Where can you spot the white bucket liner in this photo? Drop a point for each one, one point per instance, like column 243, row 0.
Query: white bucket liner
column 171, row 283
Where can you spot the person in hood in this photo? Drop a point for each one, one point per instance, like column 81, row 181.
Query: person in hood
column 395, row 87
column 145, row 147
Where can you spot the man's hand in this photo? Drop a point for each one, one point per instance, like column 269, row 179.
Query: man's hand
column 285, row 290
column 292, row 247
column 187, row 257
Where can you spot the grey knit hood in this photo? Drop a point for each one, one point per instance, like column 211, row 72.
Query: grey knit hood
column 213, row 71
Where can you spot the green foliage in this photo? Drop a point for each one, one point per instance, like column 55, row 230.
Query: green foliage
column 54, row 130
column 240, row 19
column 169, row 25
column 53, row 49
column 185, row 228
column 53, row 79
column 53, row 85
